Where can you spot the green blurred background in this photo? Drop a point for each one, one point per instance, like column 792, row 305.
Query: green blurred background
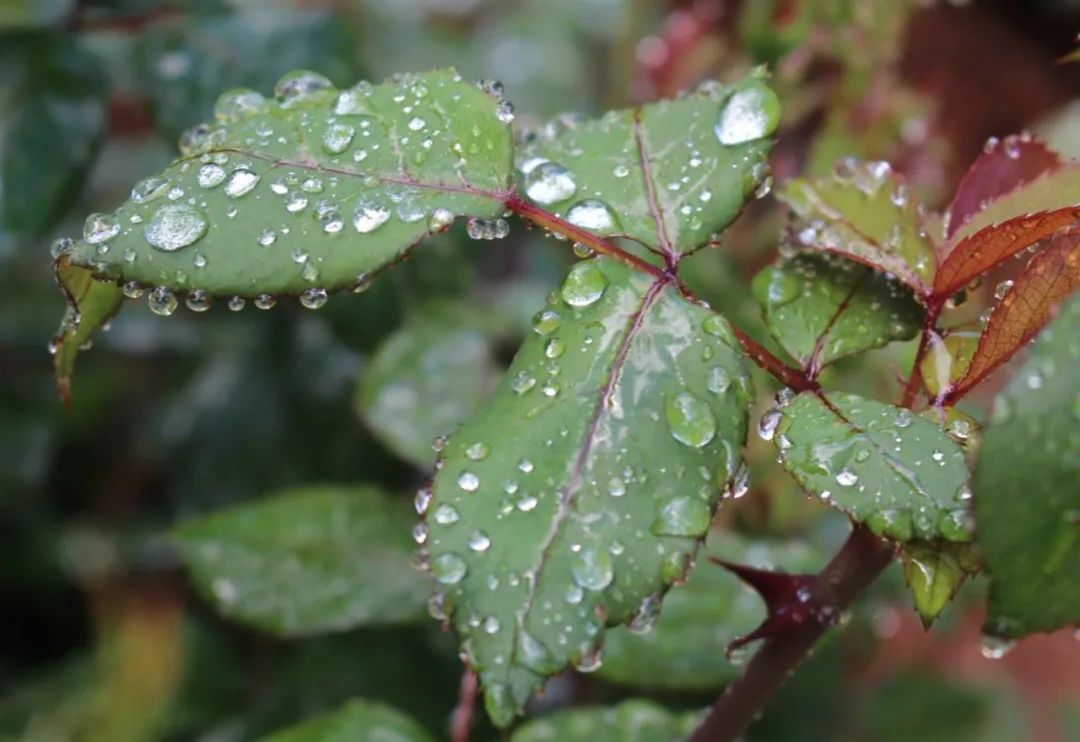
column 102, row 636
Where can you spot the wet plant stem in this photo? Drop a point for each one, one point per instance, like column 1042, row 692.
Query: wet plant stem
column 911, row 389
column 462, row 718
column 858, row 563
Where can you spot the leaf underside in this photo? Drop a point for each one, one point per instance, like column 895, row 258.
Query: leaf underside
column 91, row 303
column 899, row 474
column 316, row 189
column 582, row 490
column 308, row 561
column 821, row 308
column 661, row 174
column 1028, row 505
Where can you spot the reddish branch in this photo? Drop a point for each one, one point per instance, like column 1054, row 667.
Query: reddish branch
column 857, row 564
column 461, row 721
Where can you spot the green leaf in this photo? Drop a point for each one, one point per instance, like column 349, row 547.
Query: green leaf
column 1028, row 504
column 583, row 488
column 187, row 62
column 357, row 720
column 429, row 376
column 313, row 191
column 865, row 213
column 308, row 561
column 91, row 303
column 881, row 465
column 683, row 647
column 633, row 720
column 821, row 308
column 668, row 175
column 54, row 121
column 934, row 572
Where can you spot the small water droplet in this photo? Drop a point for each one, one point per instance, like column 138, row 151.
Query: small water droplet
column 449, row 568
column 995, row 647
column 584, row 285
column 161, row 301
column 593, row 569
column 299, row 85
column 683, row 516
column 198, row 301
column 211, row 175
column 369, row 216
column 100, row 228
column 237, row 303
column 479, row 541
column 549, row 183
column 313, row 298
column 265, row 301
column 337, row 138
column 241, row 182
column 770, row 421
column 237, row 103
column 468, row 481
column 689, row 419
column 592, row 214
column 148, row 189
column 847, row 478
column 446, row 515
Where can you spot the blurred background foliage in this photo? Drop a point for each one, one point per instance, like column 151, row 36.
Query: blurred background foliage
column 104, row 636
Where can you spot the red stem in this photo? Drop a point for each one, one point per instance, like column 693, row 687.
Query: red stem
column 557, row 224
column 911, row 390
column 862, row 558
column 786, row 375
column 461, row 720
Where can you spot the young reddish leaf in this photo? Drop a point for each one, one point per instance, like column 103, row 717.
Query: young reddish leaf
column 1001, row 168
column 981, row 251
column 1048, row 279
column 864, row 213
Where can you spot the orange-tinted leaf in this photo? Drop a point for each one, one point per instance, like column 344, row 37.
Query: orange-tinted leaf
column 1048, row 279
column 999, row 169
column 977, row 253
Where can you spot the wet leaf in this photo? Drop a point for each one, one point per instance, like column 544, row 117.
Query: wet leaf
column 864, row 212
column 357, row 720
column 53, row 123
column 584, row 487
column 934, row 572
column 999, row 169
column 633, row 720
column 683, row 646
column 428, row 377
column 899, row 474
column 310, row 192
column 1049, row 278
column 187, row 62
column 667, row 175
column 307, row 561
column 821, row 308
column 91, row 303
column 1028, row 505
column 21, row 14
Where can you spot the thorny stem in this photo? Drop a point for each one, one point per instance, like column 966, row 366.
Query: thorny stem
column 862, row 558
column 557, row 224
column 461, row 720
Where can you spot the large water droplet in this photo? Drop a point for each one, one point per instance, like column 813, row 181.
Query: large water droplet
column 683, row 516
column 297, row 86
column 593, row 569
column 690, row 419
column 584, row 284
column 592, row 214
column 238, row 103
column 211, row 175
column 748, row 114
column 369, row 216
column 549, row 182
column 241, row 182
column 175, row 226
column 161, row 301
column 449, row 569
column 100, row 228
column 337, row 138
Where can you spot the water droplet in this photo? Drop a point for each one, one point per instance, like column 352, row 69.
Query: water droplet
column 748, row 114
column 295, row 87
column 267, row 237
column 265, row 301
column 593, row 569
column 545, row 322
column 211, row 175
column 132, row 290
column 313, row 298
column 770, row 421
column 592, row 214
column 337, row 138
column 646, row 616
column 295, row 201
column 554, row 347
column 468, row 481
column 198, row 301
column 847, row 478
column 491, row 625
column 241, row 182
column 237, row 303
column 148, row 189
column 446, row 515
column 175, row 226
column 440, row 219
column 1002, row 289
column 590, row 661
column 616, row 487
column 690, row 419
column 683, row 516
column 525, row 466
column 478, row 451
column 995, row 647
column 584, row 284
column 422, row 500
column 369, row 216
column 420, row 532
column 449, row 569
column 100, row 228
column 549, row 183
column 161, row 301
column 479, row 541
column 237, row 103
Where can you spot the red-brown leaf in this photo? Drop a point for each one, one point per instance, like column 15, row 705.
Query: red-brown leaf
column 1001, row 168
column 979, row 252
column 1048, row 279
